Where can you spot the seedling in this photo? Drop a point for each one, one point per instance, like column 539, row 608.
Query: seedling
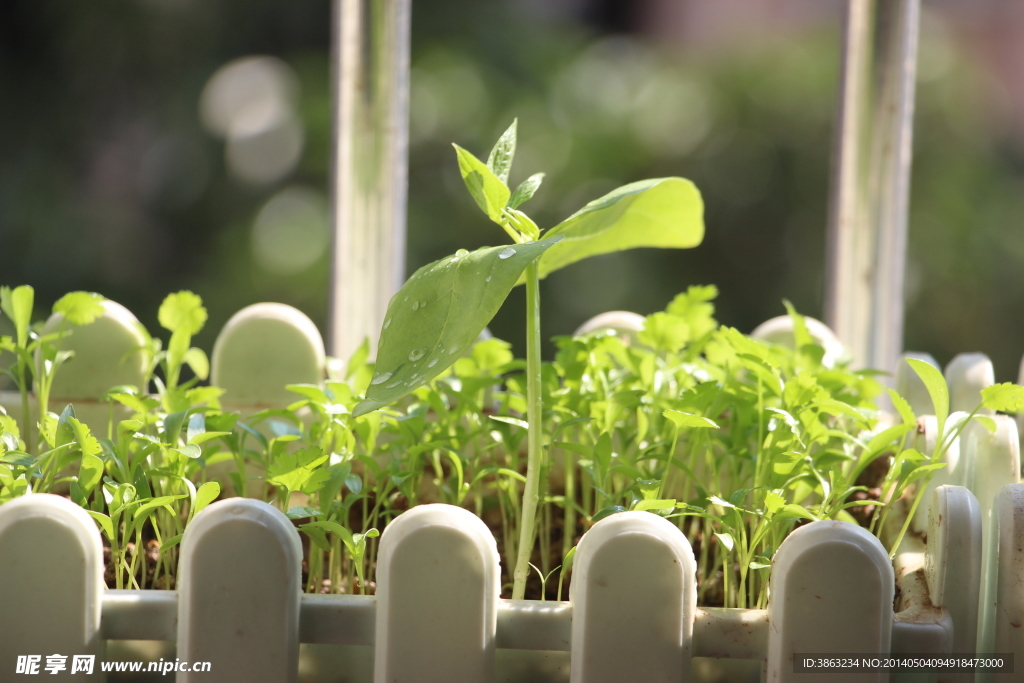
column 435, row 317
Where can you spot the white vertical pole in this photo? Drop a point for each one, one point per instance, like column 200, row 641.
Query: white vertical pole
column 634, row 598
column 371, row 113
column 867, row 237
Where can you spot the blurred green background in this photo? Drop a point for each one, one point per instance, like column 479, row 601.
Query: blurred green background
column 123, row 171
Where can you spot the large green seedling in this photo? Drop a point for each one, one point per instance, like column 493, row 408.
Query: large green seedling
column 439, row 312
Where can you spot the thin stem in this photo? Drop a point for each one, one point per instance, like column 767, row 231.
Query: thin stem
column 534, row 447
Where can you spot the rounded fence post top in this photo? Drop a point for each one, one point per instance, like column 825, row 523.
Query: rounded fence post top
column 830, row 531
column 108, row 352
column 623, row 322
column 636, row 522
column 50, row 506
column 967, row 374
column 779, row 330
column 263, row 348
column 245, row 510
column 438, row 515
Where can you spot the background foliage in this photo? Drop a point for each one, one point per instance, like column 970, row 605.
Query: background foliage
column 109, row 180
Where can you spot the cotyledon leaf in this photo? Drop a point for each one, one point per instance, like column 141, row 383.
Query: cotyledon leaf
column 438, row 313
column 661, row 212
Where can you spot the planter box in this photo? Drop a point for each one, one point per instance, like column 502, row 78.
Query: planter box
column 437, row 614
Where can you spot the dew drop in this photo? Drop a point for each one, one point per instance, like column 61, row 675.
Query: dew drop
column 488, row 279
column 415, row 305
column 507, row 252
column 417, row 354
column 432, row 363
column 393, row 384
column 462, row 252
column 381, row 377
column 387, row 323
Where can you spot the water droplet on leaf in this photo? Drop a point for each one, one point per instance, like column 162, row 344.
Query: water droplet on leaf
column 417, row 354
column 507, row 252
column 488, row 279
column 415, row 305
column 462, row 252
column 381, row 377
column 432, row 363
column 392, row 385
column 387, row 323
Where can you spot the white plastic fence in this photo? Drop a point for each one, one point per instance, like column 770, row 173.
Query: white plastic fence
column 437, row 615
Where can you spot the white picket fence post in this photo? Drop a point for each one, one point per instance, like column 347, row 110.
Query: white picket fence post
column 438, row 582
column 832, row 588
column 239, row 584
column 953, row 565
column 51, row 586
column 634, row 591
column 262, row 349
column 966, row 375
column 1002, row 627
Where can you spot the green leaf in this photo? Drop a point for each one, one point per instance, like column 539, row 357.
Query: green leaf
column 302, row 512
column 196, row 359
column 514, row 421
column 1004, row 398
column 935, row 383
column 189, row 451
column 683, row 420
column 525, row 191
column 488, row 190
column 183, row 312
column 105, row 524
column 298, row 471
column 655, row 504
column 206, row 494
column 727, row 541
column 84, row 438
column 90, row 473
column 17, row 305
column 773, row 502
column 500, row 159
column 438, row 314
column 903, row 408
column 80, row 308
column 662, row 212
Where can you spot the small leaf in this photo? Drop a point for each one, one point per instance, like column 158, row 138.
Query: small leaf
column 525, row 191
column 189, row 451
column 655, row 504
column 206, row 494
column 726, row 541
column 80, row 308
column 489, row 192
column 105, row 524
column 1004, row 398
column 773, row 502
column 196, row 426
column 438, row 314
column 302, row 512
column 937, row 389
column 17, row 304
column 503, row 152
column 661, row 212
column 182, row 311
column 682, row 420
column 196, row 359
column 90, row 473
column 514, row 421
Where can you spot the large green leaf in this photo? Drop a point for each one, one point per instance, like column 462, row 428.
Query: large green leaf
column 662, row 212
column 438, row 313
